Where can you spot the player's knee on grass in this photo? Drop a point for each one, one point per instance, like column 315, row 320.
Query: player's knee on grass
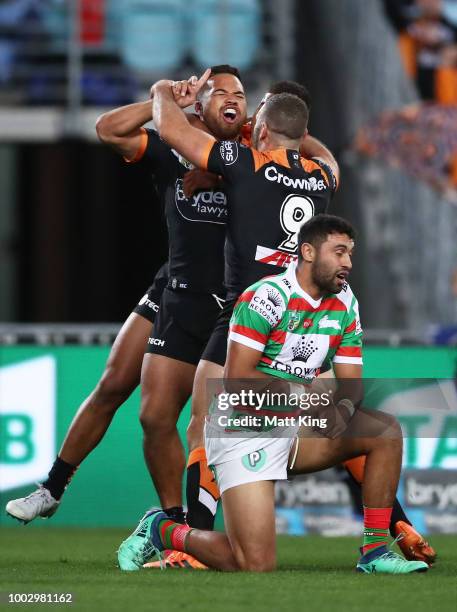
column 257, row 559
column 249, row 517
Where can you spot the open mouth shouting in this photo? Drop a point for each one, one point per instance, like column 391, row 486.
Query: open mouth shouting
column 230, row 114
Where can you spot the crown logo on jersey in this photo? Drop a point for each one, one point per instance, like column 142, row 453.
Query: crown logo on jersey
column 274, row 297
column 303, row 350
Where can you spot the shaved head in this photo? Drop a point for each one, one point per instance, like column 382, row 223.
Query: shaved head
column 286, row 114
column 285, row 117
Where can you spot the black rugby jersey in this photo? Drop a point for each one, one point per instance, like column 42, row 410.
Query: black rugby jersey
column 196, row 225
column 270, row 195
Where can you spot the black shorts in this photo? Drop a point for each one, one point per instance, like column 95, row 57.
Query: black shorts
column 216, row 349
column 184, row 324
column 148, row 306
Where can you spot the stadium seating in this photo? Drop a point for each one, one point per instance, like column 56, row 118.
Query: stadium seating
column 156, row 35
column 140, row 40
column 153, row 34
column 225, row 32
column 54, row 19
column 12, row 15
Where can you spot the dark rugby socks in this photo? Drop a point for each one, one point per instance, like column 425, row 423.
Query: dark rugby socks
column 176, row 513
column 59, row 477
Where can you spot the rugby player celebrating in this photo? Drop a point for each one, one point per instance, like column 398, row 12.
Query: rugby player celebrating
column 191, row 302
column 189, row 307
column 270, row 195
column 120, row 129
column 282, row 167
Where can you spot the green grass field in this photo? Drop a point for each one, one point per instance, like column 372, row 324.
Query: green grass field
column 314, row 574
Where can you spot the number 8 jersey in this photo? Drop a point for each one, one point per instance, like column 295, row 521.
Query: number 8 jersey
column 270, row 196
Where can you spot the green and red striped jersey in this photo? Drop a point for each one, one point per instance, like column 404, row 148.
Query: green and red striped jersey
column 294, row 332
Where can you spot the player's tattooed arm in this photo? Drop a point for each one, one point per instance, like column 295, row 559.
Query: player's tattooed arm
column 312, row 148
column 173, row 126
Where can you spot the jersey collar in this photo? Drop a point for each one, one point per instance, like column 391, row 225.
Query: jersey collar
column 292, row 278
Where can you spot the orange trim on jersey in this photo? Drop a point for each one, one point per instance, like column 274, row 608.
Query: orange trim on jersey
column 206, row 153
column 142, row 148
column 309, row 166
column 278, row 156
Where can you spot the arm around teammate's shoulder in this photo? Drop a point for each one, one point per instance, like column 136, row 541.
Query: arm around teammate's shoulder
column 312, row 148
column 121, row 127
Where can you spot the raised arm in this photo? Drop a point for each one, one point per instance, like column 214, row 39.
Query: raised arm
column 121, row 127
column 174, row 128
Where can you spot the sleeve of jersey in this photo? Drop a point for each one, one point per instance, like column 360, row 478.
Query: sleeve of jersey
column 256, row 313
column 350, row 349
column 151, row 147
column 227, row 158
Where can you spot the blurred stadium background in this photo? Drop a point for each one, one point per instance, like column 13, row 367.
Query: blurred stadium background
column 81, row 233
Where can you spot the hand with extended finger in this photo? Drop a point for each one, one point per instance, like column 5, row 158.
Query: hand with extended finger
column 184, row 92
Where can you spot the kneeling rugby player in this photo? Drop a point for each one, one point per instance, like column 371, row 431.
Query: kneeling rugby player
column 266, row 348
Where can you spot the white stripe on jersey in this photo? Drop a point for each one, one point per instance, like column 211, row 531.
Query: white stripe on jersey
column 258, row 346
column 353, row 360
